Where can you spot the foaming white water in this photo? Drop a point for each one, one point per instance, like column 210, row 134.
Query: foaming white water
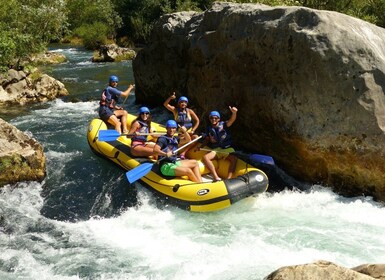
column 246, row 241
column 249, row 240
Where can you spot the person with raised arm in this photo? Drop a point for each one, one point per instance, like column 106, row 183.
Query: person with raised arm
column 219, row 140
column 184, row 116
column 109, row 111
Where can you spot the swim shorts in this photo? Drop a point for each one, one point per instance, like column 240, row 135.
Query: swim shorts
column 168, row 168
column 105, row 113
column 223, row 153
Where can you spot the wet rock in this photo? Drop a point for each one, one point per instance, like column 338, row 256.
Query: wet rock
column 20, row 87
column 317, row 270
column 21, row 157
column 112, row 52
column 309, row 86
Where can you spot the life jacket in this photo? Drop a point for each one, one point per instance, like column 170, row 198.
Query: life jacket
column 107, row 99
column 172, row 145
column 142, row 129
column 183, row 118
column 219, row 138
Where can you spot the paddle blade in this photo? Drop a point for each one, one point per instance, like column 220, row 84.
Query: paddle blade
column 262, row 159
column 138, row 172
column 108, row 135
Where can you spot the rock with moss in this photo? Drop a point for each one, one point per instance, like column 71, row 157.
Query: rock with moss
column 24, row 87
column 113, row 53
column 47, row 58
column 21, row 157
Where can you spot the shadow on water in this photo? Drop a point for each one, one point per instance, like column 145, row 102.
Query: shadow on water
column 100, row 190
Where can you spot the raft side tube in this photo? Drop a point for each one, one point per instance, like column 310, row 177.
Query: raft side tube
column 253, row 182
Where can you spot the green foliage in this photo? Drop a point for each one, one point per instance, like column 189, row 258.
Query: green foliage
column 7, row 49
column 93, row 35
column 140, row 16
column 375, row 9
column 27, row 26
column 85, row 13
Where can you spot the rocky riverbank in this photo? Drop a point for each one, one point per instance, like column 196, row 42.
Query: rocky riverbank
column 22, row 157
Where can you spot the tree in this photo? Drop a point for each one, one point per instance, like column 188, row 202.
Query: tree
column 93, row 14
column 27, row 26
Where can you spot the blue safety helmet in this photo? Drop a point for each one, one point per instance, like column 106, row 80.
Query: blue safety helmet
column 143, row 110
column 171, row 123
column 114, row 78
column 183, row 98
column 215, row 114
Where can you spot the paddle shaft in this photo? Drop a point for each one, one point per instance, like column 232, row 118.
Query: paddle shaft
column 143, row 169
column 253, row 157
column 184, row 146
column 209, row 150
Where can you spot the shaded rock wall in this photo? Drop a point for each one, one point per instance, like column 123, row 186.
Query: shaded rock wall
column 309, row 85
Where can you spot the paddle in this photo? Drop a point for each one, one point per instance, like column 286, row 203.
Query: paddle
column 112, row 134
column 142, row 170
column 252, row 157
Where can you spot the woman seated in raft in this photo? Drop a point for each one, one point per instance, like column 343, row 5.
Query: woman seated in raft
column 218, row 139
column 140, row 147
column 170, row 165
column 183, row 116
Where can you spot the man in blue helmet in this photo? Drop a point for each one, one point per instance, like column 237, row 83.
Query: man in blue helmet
column 108, row 110
column 219, row 140
column 170, row 165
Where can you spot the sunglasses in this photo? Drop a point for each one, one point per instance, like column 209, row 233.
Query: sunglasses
column 144, row 113
column 214, row 118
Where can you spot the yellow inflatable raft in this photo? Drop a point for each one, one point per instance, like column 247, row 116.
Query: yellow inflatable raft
column 179, row 191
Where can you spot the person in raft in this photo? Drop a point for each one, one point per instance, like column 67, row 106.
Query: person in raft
column 140, row 147
column 108, row 110
column 219, row 140
column 184, row 117
column 170, row 165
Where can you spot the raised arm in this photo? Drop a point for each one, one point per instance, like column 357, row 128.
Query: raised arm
column 167, row 105
column 127, row 91
column 233, row 117
column 186, row 136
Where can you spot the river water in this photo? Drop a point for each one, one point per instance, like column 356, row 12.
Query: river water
column 86, row 222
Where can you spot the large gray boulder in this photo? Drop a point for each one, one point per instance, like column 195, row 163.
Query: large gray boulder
column 21, row 157
column 309, row 85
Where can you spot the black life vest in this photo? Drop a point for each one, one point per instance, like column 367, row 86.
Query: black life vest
column 107, row 99
column 219, row 137
column 172, row 145
column 183, row 118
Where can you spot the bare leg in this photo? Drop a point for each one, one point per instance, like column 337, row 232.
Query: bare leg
column 116, row 123
column 143, row 151
column 207, row 158
column 189, row 168
column 233, row 162
column 122, row 114
column 185, row 171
